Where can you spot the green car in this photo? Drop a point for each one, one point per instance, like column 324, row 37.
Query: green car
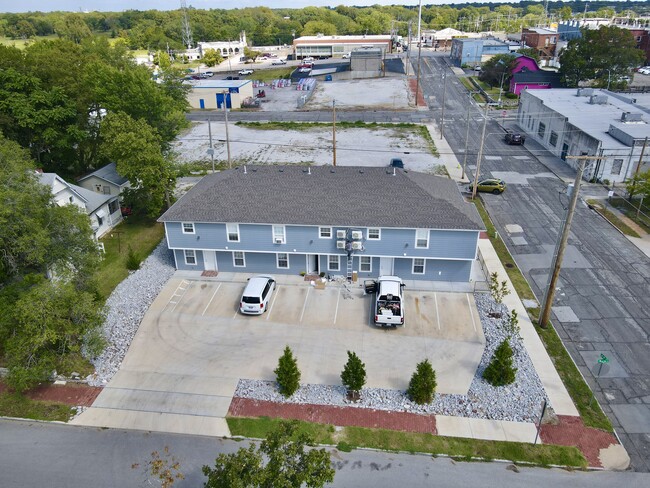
column 490, row 185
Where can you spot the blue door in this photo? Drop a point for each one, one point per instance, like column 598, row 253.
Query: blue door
column 201, row 103
column 220, row 99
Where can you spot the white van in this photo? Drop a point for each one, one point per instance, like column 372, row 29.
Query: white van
column 257, row 295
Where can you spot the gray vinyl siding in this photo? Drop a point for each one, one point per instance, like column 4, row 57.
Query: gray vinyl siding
column 445, row 244
column 434, row 270
column 261, row 263
column 180, row 261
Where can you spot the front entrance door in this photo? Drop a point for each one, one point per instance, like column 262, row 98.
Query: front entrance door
column 312, row 263
column 210, row 260
column 385, row 266
column 565, row 150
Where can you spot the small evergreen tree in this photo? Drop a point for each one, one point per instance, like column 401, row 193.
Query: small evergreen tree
column 500, row 371
column 512, row 324
column 423, row 383
column 498, row 292
column 132, row 260
column 287, row 373
column 353, row 376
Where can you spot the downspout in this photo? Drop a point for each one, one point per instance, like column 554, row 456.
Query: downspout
column 629, row 162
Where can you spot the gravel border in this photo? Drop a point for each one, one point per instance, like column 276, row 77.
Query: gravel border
column 520, row 402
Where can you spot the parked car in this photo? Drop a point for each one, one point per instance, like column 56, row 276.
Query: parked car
column 278, row 62
column 308, row 59
column 304, row 69
column 232, row 77
column 389, row 302
column 477, row 69
column 490, row 185
column 244, row 72
column 644, row 70
column 396, row 163
column 515, row 138
column 346, row 56
column 257, row 294
column 208, row 74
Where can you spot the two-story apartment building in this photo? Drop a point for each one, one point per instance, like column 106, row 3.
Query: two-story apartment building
column 336, row 220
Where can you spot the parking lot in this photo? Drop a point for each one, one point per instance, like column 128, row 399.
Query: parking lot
column 193, row 346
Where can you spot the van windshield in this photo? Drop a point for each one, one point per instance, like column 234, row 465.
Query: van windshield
column 250, row 299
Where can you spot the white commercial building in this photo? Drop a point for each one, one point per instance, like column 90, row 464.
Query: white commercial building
column 322, row 46
column 586, row 121
column 234, row 48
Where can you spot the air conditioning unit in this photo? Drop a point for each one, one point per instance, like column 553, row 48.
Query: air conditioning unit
column 340, row 234
column 278, row 240
column 357, row 246
column 340, row 244
column 357, row 235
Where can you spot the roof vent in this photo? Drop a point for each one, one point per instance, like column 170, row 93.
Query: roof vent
column 254, row 170
column 332, row 170
column 308, row 170
column 245, row 172
column 585, row 92
column 631, row 117
column 598, row 99
column 281, row 170
column 361, row 171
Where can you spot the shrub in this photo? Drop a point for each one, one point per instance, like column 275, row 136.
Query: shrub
column 500, row 371
column 287, row 373
column 423, row 383
column 353, row 375
column 132, row 260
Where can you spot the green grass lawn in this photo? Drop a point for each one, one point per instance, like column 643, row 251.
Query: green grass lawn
column 21, row 43
column 389, row 440
column 16, row 405
column 271, row 74
column 142, row 235
column 613, row 218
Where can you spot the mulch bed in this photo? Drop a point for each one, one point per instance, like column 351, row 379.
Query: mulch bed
column 74, row 394
column 412, row 86
column 341, row 416
column 571, row 431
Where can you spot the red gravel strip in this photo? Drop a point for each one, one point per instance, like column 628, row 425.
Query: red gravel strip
column 412, row 86
column 341, row 416
column 571, row 431
column 71, row 394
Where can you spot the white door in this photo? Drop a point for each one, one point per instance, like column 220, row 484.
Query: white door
column 312, row 263
column 385, row 266
column 210, row 260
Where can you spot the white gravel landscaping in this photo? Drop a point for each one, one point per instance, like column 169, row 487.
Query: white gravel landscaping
column 125, row 309
column 521, row 401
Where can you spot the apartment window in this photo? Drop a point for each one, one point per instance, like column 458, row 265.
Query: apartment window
column 278, row 234
column 422, row 238
column 418, row 266
column 617, row 166
column 365, row 264
column 283, row 260
column 333, row 262
column 71, row 199
column 233, row 232
column 374, row 234
column 541, row 130
column 238, row 259
column 190, row 257
column 106, row 189
column 553, row 139
column 188, row 228
column 113, row 207
column 100, row 221
column 325, row 232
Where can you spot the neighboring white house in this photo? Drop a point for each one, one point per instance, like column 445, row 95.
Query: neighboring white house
column 103, row 210
column 587, row 121
column 105, row 180
column 226, row 48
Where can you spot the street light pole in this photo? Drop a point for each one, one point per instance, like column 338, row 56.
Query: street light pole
column 225, row 110
column 469, row 107
column 417, row 80
column 444, row 93
column 559, row 248
column 480, row 152
column 333, row 132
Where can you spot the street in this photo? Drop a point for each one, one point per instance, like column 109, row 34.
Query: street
column 56, row 455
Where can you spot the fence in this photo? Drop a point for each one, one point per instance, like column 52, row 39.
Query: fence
column 307, row 86
column 635, row 209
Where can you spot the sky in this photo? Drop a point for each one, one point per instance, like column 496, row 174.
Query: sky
column 119, row 5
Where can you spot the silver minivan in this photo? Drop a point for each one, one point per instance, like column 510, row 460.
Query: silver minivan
column 257, row 295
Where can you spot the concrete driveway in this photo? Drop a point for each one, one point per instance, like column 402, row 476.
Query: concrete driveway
column 193, row 346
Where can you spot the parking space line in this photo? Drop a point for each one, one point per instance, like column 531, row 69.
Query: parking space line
column 180, row 297
column 470, row 311
column 371, row 315
column 435, row 299
column 304, row 305
column 336, row 311
column 275, row 295
column 212, row 298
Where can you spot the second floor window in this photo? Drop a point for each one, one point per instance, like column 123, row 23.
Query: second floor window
column 374, row 234
column 233, row 232
column 325, row 232
column 188, row 228
column 279, row 234
column 422, row 238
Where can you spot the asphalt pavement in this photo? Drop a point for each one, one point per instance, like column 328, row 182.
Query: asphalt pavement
column 602, row 298
column 64, row 456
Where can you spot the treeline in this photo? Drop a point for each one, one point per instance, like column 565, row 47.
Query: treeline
column 156, row 30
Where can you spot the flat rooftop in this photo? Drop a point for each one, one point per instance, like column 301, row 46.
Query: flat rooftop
column 219, row 83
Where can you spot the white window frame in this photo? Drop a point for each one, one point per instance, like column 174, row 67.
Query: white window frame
column 424, row 266
column 284, row 234
column 418, row 238
column 243, row 259
column 327, row 229
column 329, row 262
column 191, row 253
column 361, row 270
column 228, row 232
column 185, row 230
column 277, row 260
column 368, row 234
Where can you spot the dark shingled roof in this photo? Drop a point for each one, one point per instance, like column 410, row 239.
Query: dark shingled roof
column 108, row 173
column 550, row 77
column 328, row 196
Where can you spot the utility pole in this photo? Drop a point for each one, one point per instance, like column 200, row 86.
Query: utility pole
column 638, row 166
column 408, row 50
column 210, row 150
column 333, row 132
column 480, row 152
column 444, row 93
column 469, row 107
column 417, row 81
column 225, row 111
column 561, row 243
